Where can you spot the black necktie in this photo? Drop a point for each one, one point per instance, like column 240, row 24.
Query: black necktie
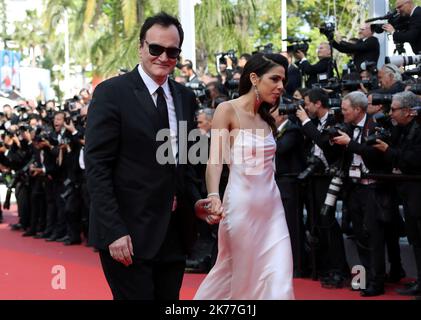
column 161, row 105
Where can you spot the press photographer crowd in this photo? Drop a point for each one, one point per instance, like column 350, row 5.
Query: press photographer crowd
column 351, row 137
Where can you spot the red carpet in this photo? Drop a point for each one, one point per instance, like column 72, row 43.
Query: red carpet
column 26, row 273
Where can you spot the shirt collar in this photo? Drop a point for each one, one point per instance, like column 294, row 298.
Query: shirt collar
column 151, row 84
column 412, row 12
column 362, row 122
column 283, row 124
column 324, row 118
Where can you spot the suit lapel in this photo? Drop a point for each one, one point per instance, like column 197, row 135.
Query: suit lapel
column 146, row 103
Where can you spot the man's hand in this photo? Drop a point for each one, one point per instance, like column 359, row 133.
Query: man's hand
column 338, row 37
column 388, row 28
column 70, row 127
column 121, row 250
column 343, row 139
column 302, row 114
column 381, row 145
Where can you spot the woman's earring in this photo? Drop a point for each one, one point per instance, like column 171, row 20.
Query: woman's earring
column 257, row 93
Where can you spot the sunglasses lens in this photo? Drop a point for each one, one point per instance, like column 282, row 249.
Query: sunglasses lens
column 173, row 52
column 156, row 50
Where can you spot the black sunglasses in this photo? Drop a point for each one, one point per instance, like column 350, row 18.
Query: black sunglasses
column 156, row 50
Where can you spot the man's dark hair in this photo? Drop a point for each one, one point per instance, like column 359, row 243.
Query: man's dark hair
column 317, row 94
column 163, row 19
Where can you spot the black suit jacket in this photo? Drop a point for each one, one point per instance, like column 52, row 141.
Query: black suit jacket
column 368, row 50
column 331, row 152
column 131, row 193
column 289, row 150
column 413, row 33
column 373, row 159
column 312, row 70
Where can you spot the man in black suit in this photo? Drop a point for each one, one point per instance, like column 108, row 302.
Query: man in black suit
column 368, row 201
column 142, row 191
column 290, row 160
column 404, row 154
column 367, row 48
column 331, row 262
column 407, row 8
column 320, row 71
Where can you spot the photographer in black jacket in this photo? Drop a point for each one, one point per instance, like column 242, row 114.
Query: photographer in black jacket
column 367, row 48
column 368, row 201
column 404, row 154
column 322, row 67
column 407, row 8
column 331, row 262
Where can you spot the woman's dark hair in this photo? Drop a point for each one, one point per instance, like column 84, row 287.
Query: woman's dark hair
column 163, row 19
column 260, row 64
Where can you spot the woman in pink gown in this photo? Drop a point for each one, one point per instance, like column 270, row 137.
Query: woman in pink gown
column 254, row 259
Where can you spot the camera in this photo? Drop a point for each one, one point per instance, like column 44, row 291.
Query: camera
column 314, row 164
column 287, row 106
column 354, row 85
column 267, row 48
column 393, row 17
column 328, row 29
column 382, row 131
column 201, row 92
column 383, row 99
column 230, row 53
column 402, row 61
column 381, row 134
column 297, row 45
column 333, row 131
column 41, row 134
column 334, row 104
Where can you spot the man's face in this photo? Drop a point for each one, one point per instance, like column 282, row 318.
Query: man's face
column 400, row 115
column 385, row 79
column 58, row 122
column 159, row 67
column 404, row 7
column 242, row 62
column 203, row 124
column 350, row 113
column 7, row 111
column 365, row 31
column 323, row 51
column 311, row 107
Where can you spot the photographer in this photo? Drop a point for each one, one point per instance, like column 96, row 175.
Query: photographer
column 322, row 67
column 390, row 79
column 367, row 48
column 331, row 261
column 407, row 8
column 188, row 72
column 367, row 201
column 404, row 155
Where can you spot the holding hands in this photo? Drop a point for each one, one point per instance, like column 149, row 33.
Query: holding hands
column 210, row 209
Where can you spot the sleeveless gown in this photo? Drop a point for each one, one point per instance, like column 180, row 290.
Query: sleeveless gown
column 254, row 260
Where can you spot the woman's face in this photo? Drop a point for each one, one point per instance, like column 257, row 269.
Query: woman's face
column 270, row 85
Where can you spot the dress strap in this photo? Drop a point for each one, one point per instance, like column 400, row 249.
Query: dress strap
column 236, row 113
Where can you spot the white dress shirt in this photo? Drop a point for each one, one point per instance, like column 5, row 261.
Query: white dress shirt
column 152, row 86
